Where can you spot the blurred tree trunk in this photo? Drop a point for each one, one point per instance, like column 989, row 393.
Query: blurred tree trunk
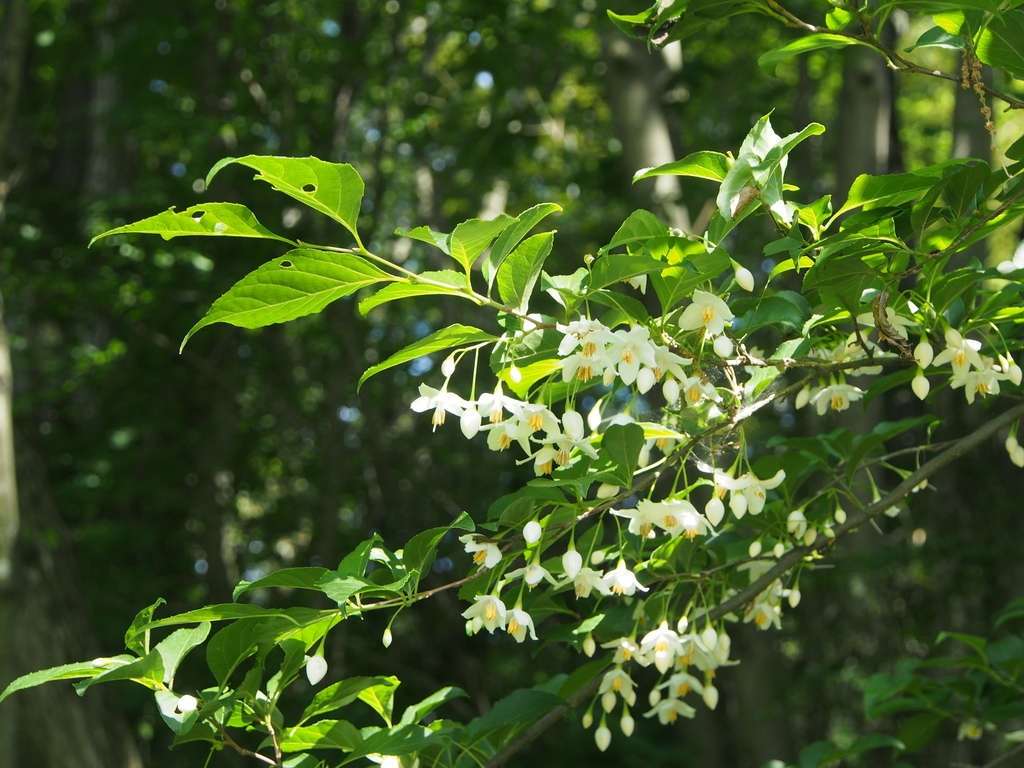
column 43, row 621
column 636, row 81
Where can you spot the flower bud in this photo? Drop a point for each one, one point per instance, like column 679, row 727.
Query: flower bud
column 803, row 397
column 597, row 557
column 829, row 533
column 589, row 645
column 627, row 724
column 532, row 532
column 810, row 537
column 924, row 354
column 709, row 637
column 187, row 704
column 670, row 389
column 794, row 598
column 840, row 515
column 754, row 549
column 609, row 376
column 654, row 697
column 608, row 701
column 1015, row 373
column 714, row 511
column 738, row 505
column 682, row 625
column 587, row 720
column 607, row 491
column 470, row 422
column 602, row 737
column 1017, row 457
column 316, row 669
column 744, row 278
column 387, row 638
column 572, row 561
column 723, row 346
column 710, row 696
column 779, row 549
column 514, row 374
column 920, row 385
column 645, row 380
column 448, row 366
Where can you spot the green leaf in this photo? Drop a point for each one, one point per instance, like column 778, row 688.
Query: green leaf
column 302, row 282
column 627, row 305
column 962, row 187
column 702, row 165
column 418, row 553
column 326, row 734
column 936, row 37
column 840, row 281
column 976, row 643
column 510, row 237
column 286, row 578
column 638, row 227
column 147, row 671
column 518, row 274
column 331, row 188
column 427, row 235
column 63, row 672
column 918, row 731
column 179, row 722
column 811, row 756
column 446, row 338
column 689, row 265
column 132, row 640
column 175, row 646
column 770, row 60
column 453, row 284
column 622, row 444
column 338, row 695
column 233, row 645
column 1001, row 43
column 874, row 191
column 863, row 744
column 785, row 309
column 615, row 267
column 416, row 712
column 401, row 740
column 521, row 706
column 340, row 588
column 217, row 219
column 1013, row 610
column 381, row 697
column 472, row 237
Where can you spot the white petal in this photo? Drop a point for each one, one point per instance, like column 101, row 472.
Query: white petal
column 316, row 669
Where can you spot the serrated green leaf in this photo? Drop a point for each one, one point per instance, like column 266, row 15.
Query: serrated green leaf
column 936, row 37
column 147, row 671
column 416, row 712
column 518, row 707
column 637, row 228
column 427, row 235
column 918, row 731
column 286, row 578
column 863, row 744
column 175, row 646
column 446, row 338
column 452, row 284
column 471, row 238
column 63, row 672
column 770, row 61
column 133, row 640
column 616, row 267
column 338, row 695
column 1001, row 43
column 381, row 697
column 702, row 165
column 216, row 219
column 840, row 281
column 786, row 310
column 302, row 282
column 331, row 188
column 233, row 645
column 326, row 734
column 510, row 237
column 876, row 191
column 518, row 274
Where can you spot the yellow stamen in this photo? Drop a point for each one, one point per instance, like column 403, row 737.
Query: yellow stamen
column 710, row 674
column 693, row 395
column 761, row 619
column 672, row 715
column 585, row 373
column 982, row 388
column 479, row 556
column 685, row 660
column 562, row 458
column 438, row 418
column 491, row 612
column 657, row 373
column 662, row 443
column 661, row 646
column 513, row 626
column 837, row 402
column 707, row 315
column 545, row 468
column 589, row 349
column 617, row 684
column 645, row 529
column 536, row 422
column 504, row 441
column 627, row 355
column 627, row 653
column 683, row 689
column 670, row 521
column 690, row 533
column 959, row 358
column 497, row 415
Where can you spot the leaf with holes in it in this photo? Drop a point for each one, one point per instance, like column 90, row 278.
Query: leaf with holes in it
column 217, row 219
column 301, row 282
column 334, row 189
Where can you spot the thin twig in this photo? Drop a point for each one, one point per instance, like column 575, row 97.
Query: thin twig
column 240, row 749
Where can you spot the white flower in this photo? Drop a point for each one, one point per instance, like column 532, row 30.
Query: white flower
column 574, row 437
column 668, row 710
column 316, row 669
column 924, row 354
column 920, row 385
column 628, row 350
column 587, row 580
column 961, row 353
column 623, row 581
column 533, row 574
column 681, row 684
column 697, row 388
column 532, row 532
column 485, row 553
column 441, row 400
column 494, row 404
column 626, row 649
column 796, row 523
column 519, row 622
column 664, row 644
column 586, row 333
column 708, row 312
column 618, row 681
column 602, row 737
column 981, row 382
column 714, row 510
column 544, row 460
column 723, row 346
column 838, row 396
column 744, row 278
column 667, row 361
column 501, row 435
column 627, row 724
column 585, row 367
column 489, row 610
column 535, row 416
